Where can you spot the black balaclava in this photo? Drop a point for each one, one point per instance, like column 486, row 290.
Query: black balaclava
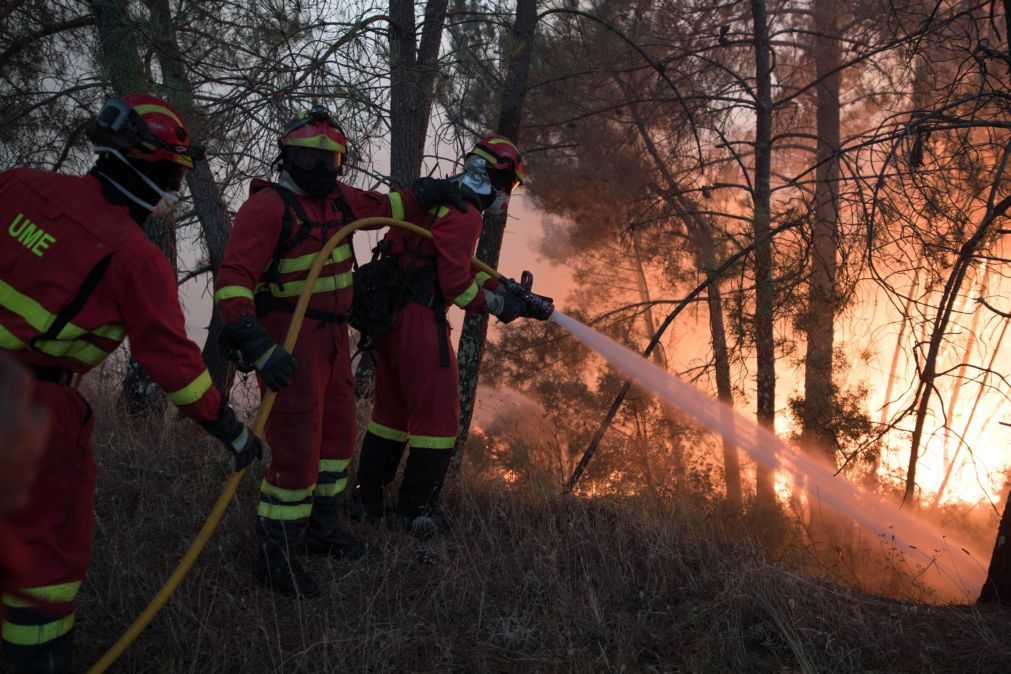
column 163, row 173
column 316, row 182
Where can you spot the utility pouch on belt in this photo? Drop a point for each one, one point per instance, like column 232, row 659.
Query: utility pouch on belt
column 378, row 285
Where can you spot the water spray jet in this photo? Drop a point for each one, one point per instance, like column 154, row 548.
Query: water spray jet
column 954, row 570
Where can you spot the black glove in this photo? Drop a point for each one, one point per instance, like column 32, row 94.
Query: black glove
column 432, row 192
column 239, row 439
column 248, row 337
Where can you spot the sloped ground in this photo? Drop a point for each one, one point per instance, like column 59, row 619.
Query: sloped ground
column 525, row 582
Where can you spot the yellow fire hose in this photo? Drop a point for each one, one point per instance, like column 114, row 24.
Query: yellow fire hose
column 228, row 491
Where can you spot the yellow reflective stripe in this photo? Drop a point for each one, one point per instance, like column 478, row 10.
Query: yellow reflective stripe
column 230, row 292
column 286, row 494
column 287, row 266
column 323, row 284
column 386, row 432
column 433, row 441
column 24, row 306
column 464, row 298
column 9, row 341
column 498, row 141
column 160, row 109
column 490, row 158
column 54, row 594
column 89, row 354
column 40, row 318
column 482, row 278
column 396, row 205
column 34, row 635
column 333, row 465
column 193, row 391
column 283, row 512
column 332, row 489
column 319, row 142
column 439, row 211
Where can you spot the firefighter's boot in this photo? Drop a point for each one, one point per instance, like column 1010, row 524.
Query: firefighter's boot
column 326, row 536
column 276, row 565
column 423, row 475
column 50, row 657
column 377, row 467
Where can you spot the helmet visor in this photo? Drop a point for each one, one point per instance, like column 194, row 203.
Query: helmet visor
column 315, row 159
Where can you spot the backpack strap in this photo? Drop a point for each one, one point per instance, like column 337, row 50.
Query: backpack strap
column 75, row 305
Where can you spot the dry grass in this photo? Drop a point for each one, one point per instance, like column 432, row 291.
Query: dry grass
column 526, row 581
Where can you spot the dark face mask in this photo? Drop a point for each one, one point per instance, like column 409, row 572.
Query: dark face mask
column 317, row 182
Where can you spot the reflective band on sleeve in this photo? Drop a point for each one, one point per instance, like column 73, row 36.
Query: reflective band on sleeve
column 465, row 298
column 433, row 441
column 387, row 432
column 396, row 205
column 230, row 292
column 34, row 635
column 482, row 278
column 323, row 285
column 289, row 265
column 193, row 392
column 53, row 594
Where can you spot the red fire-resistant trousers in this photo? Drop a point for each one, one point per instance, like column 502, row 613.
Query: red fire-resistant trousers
column 414, row 394
column 55, row 531
column 313, row 418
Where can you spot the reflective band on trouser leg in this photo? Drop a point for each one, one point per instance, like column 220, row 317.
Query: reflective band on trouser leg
column 284, row 504
column 432, row 441
column 377, row 428
column 333, row 477
column 26, row 624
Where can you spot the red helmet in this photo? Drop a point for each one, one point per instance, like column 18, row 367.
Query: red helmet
column 315, row 129
column 501, row 154
column 144, row 127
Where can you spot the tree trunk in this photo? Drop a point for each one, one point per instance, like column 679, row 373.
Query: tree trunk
column 475, row 326
column 212, row 214
column 120, row 58
column 819, row 399
column 765, row 295
column 413, row 70
column 997, row 588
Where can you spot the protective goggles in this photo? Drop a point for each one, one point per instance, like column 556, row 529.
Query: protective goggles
column 314, row 159
column 119, row 117
column 316, row 115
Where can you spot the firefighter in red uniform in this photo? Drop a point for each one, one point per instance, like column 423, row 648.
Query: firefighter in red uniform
column 417, row 382
column 77, row 276
column 24, row 429
column 311, row 430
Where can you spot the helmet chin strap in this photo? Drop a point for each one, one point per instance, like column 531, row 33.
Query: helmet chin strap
column 167, row 196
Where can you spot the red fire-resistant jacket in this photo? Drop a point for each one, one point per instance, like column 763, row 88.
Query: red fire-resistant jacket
column 454, row 241
column 255, row 237
column 56, row 229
